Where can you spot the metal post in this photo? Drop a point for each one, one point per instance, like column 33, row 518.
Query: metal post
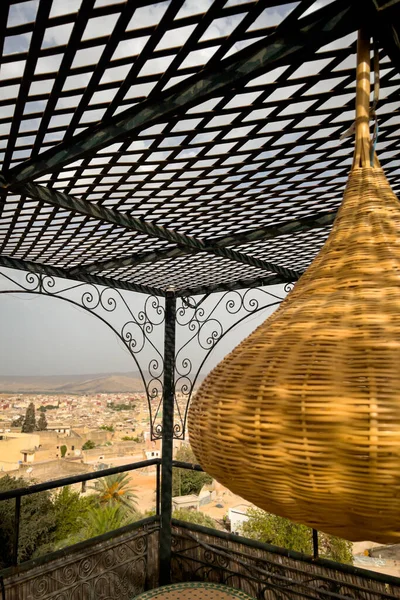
column 16, row 529
column 158, row 489
column 3, row 588
column 167, row 440
column 315, row 543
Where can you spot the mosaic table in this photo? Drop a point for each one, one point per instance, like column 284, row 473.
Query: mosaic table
column 194, row 591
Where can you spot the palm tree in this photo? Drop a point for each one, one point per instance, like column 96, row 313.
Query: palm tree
column 116, row 489
column 103, row 519
column 96, row 521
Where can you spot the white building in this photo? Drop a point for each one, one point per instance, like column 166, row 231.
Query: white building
column 59, row 428
column 188, row 502
column 237, row 516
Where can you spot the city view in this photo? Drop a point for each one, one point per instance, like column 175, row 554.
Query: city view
column 46, row 436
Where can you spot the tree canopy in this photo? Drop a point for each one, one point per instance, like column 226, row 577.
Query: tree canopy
column 18, row 421
column 194, row 516
column 70, row 507
column 116, row 490
column 29, row 424
column 42, row 422
column 52, row 521
column 89, row 445
column 37, row 521
column 184, row 481
column 271, row 529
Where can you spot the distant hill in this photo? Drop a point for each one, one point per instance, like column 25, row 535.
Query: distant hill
column 113, row 383
column 73, row 384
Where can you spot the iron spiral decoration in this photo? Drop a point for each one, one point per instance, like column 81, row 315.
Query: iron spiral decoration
column 201, row 325
column 136, row 330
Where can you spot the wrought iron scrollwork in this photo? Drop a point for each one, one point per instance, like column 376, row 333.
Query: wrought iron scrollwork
column 263, row 574
column 109, row 569
column 137, row 331
column 201, row 324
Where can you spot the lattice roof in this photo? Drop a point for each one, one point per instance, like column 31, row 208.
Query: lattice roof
column 192, row 144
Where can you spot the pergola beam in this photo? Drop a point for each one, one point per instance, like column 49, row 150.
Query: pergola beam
column 108, row 215
column 133, row 260
column 315, row 221
column 299, row 40
column 320, row 219
column 239, row 284
column 386, row 20
column 51, row 271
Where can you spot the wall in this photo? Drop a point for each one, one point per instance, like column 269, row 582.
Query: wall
column 186, row 502
column 237, row 516
column 10, row 448
column 117, row 450
column 51, row 442
column 115, row 567
column 50, row 469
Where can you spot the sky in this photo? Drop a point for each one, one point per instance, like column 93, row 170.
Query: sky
column 42, row 335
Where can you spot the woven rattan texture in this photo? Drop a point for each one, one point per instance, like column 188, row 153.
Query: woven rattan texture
column 303, row 418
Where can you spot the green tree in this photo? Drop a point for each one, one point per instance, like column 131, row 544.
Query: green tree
column 116, row 490
column 97, row 521
column 18, row 421
column 29, row 424
column 37, row 521
column 121, row 406
column 107, row 428
column 105, row 518
column 42, row 423
column 63, row 450
column 335, row 548
column 271, row 529
column 89, row 445
column 69, row 508
column 194, row 516
column 184, row 481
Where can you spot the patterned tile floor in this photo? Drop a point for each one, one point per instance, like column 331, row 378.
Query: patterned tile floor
column 194, row 591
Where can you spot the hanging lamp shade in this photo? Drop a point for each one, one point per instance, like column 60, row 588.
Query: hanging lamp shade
column 303, row 417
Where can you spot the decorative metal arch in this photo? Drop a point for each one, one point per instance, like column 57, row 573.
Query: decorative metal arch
column 205, row 327
column 135, row 332
column 200, row 323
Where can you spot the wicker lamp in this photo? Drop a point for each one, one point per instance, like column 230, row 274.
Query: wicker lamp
column 303, row 417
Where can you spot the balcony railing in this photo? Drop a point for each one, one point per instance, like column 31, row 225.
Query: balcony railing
column 125, row 562
column 19, row 493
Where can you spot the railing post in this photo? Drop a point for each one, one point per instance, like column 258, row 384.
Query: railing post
column 158, row 489
column 315, row 543
column 167, row 440
column 16, row 529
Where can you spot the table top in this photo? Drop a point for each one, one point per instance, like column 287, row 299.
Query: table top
column 194, row 590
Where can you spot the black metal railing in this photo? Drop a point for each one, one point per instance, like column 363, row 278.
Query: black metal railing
column 256, row 571
column 19, row 493
column 36, row 488
column 184, row 465
column 267, row 572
